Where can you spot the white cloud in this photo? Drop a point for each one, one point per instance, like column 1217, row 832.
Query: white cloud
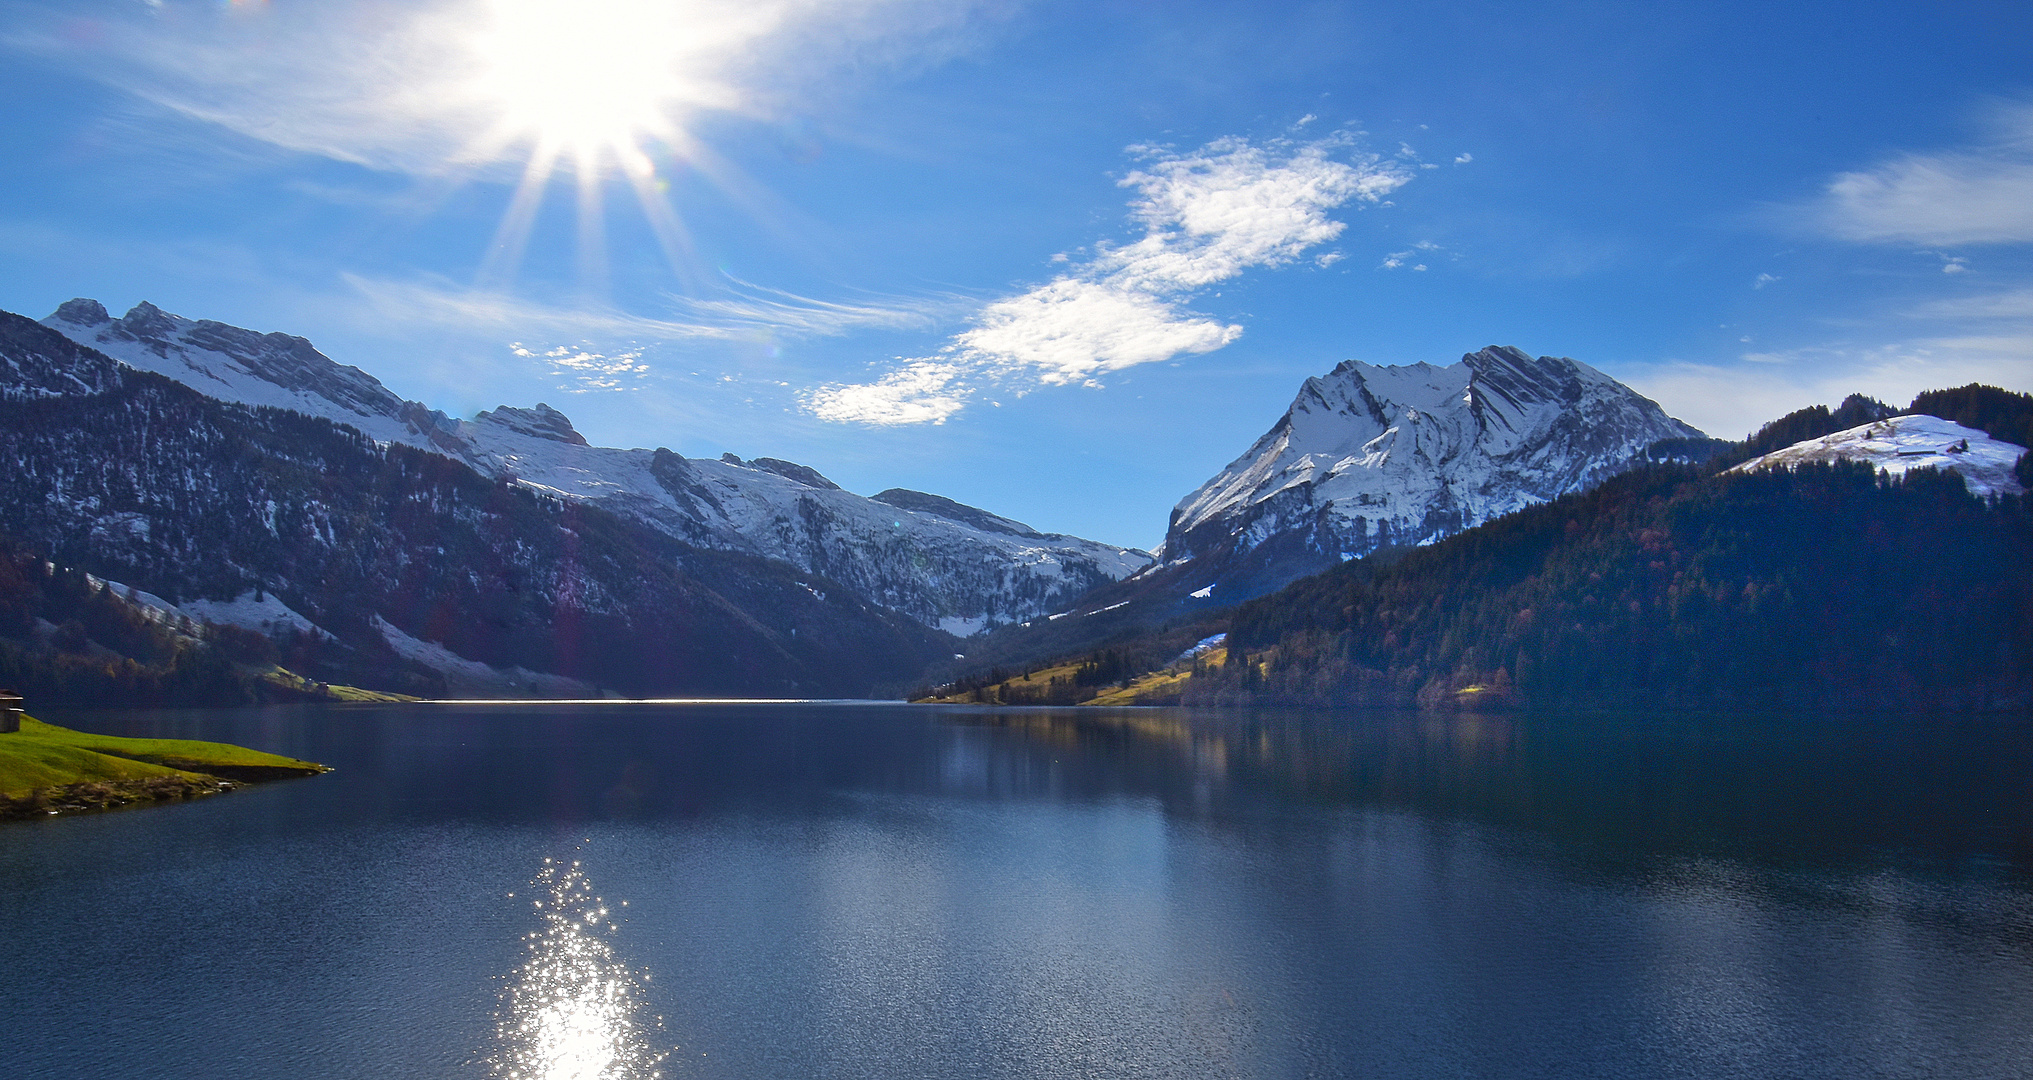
column 589, row 370
column 1208, row 216
column 1977, row 195
column 1763, row 280
column 1072, row 329
column 1464, row 159
column 920, row 392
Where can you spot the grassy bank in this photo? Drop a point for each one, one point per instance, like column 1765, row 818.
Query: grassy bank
column 47, row 769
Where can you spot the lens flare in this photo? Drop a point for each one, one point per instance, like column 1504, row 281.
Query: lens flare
column 572, row 1011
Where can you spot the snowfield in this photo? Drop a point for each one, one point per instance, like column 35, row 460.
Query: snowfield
column 1911, row 442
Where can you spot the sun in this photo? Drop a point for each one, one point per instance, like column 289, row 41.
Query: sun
column 605, row 86
column 598, row 78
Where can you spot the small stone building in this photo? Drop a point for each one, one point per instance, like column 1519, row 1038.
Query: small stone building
column 10, row 711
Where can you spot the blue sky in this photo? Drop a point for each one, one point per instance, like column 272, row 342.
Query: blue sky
column 1059, row 260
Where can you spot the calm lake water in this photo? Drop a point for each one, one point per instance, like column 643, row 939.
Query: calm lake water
column 882, row 891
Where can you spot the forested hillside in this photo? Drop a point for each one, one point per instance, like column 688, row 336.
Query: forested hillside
column 1675, row 585
column 67, row 639
column 1826, row 586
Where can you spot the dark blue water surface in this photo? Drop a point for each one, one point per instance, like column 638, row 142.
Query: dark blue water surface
column 885, row 891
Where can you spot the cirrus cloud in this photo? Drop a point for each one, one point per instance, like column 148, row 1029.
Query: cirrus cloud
column 1208, row 215
column 1976, row 195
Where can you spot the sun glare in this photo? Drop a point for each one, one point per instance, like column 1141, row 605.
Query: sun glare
column 608, row 86
column 597, row 77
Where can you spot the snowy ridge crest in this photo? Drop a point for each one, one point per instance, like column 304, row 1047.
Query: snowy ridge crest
column 945, row 564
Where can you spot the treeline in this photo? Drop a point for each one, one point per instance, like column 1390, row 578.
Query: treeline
column 1825, row 586
column 1813, row 422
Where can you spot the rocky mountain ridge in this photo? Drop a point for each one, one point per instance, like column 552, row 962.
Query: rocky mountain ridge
column 379, row 564
column 944, row 564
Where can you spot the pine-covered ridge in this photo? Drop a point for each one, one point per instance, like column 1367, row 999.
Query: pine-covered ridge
column 1821, row 586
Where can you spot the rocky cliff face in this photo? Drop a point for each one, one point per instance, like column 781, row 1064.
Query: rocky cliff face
column 941, row 563
column 1372, row 457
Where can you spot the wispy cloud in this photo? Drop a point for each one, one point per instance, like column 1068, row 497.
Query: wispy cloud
column 1398, row 259
column 2010, row 304
column 1980, row 194
column 1208, row 215
column 740, row 311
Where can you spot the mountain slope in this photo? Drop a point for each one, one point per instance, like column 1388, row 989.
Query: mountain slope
column 1816, row 586
column 1860, row 555
column 135, row 477
column 941, row 563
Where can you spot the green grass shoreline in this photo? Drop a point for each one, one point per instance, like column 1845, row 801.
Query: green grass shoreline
column 46, row 770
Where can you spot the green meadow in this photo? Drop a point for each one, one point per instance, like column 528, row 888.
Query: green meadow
column 48, row 769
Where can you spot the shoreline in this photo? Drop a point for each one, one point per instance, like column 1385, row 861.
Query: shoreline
column 50, row 771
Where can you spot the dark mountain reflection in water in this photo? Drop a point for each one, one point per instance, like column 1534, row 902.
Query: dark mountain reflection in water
column 882, row 891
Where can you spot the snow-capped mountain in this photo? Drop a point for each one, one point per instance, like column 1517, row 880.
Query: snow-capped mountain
column 942, row 563
column 1369, row 457
column 389, row 567
column 1899, row 443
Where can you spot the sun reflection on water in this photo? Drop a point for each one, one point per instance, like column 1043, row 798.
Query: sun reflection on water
column 571, row 1011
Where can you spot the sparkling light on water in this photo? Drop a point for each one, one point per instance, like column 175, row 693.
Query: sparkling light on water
column 571, row 1011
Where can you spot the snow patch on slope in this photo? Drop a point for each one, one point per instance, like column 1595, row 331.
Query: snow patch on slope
column 471, row 678
column 1911, row 442
column 267, row 615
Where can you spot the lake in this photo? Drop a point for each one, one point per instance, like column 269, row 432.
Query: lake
column 864, row 890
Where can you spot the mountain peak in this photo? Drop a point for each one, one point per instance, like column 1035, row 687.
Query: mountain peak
column 148, row 322
column 542, row 422
column 1371, row 457
column 83, row 312
column 791, row 470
